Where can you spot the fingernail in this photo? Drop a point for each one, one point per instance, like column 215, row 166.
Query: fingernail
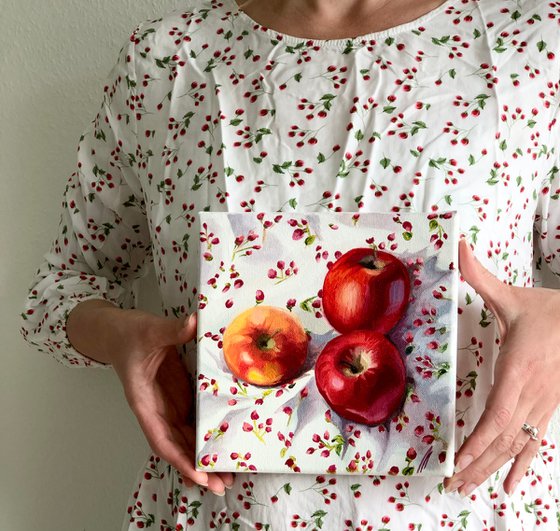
column 512, row 490
column 219, row 493
column 454, row 486
column 465, row 461
column 228, row 486
column 468, row 489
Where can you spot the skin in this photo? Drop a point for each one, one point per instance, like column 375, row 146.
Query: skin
column 525, row 378
column 334, row 19
column 142, row 347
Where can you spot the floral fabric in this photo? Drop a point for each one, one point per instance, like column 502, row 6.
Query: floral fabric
column 205, row 109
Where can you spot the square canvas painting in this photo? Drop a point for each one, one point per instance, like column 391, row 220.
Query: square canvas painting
column 326, row 342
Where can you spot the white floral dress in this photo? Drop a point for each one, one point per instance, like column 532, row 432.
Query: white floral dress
column 206, row 109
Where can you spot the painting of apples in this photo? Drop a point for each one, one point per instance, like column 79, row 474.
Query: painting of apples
column 326, row 342
column 265, row 345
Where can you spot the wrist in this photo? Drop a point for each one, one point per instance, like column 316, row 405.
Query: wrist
column 89, row 328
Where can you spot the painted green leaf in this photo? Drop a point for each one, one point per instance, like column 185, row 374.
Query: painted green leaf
column 408, row 471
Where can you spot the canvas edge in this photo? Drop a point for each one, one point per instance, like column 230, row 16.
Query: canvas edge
column 449, row 462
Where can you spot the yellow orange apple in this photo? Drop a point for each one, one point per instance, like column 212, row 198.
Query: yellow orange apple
column 265, row 345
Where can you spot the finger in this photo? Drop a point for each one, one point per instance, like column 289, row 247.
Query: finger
column 504, row 447
column 176, row 331
column 186, row 329
column 187, row 482
column 185, row 479
column 226, row 478
column 501, row 404
column 170, row 444
column 190, row 451
column 525, row 457
column 483, row 281
column 497, row 296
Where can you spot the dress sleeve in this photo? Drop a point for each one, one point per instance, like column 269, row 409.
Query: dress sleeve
column 102, row 246
column 547, row 215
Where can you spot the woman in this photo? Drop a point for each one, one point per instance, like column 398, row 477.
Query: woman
column 277, row 106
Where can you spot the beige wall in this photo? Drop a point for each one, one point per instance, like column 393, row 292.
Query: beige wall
column 70, row 448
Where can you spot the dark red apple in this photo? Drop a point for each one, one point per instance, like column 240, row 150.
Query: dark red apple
column 366, row 289
column 361, row 375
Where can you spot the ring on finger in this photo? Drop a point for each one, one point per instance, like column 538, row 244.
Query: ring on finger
column 532, row 431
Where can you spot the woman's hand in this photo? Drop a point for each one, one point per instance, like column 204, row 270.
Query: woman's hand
column 142, row 349
column 526, row 375
column 158, row 390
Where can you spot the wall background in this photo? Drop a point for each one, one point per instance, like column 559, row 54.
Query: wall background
column 70, row 448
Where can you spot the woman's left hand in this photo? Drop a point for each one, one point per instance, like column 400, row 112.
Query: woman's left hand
column 526, row 374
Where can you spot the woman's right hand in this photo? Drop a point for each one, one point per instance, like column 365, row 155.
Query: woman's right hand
column 142, row 350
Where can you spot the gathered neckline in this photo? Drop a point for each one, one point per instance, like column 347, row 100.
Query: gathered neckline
column 344, row 42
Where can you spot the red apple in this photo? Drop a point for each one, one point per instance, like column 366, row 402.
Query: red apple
column 366, row 289
column 265, row 345
column 361, row 375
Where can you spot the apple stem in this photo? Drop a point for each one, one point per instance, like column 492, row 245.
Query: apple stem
column 356, row 366
column 266, row 341
column 369, row 261
column 351, row 366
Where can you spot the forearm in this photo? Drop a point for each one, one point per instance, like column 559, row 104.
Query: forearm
column 88, row 328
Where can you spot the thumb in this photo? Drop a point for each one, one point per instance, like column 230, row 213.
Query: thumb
column 496, row 295
column 487, row 285
column 186, row 329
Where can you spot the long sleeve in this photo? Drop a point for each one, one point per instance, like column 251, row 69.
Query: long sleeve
column 547, row 216
column 103, row 242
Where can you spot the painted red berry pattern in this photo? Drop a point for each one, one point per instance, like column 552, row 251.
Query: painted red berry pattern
column 234, row 347
column 205, row 109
